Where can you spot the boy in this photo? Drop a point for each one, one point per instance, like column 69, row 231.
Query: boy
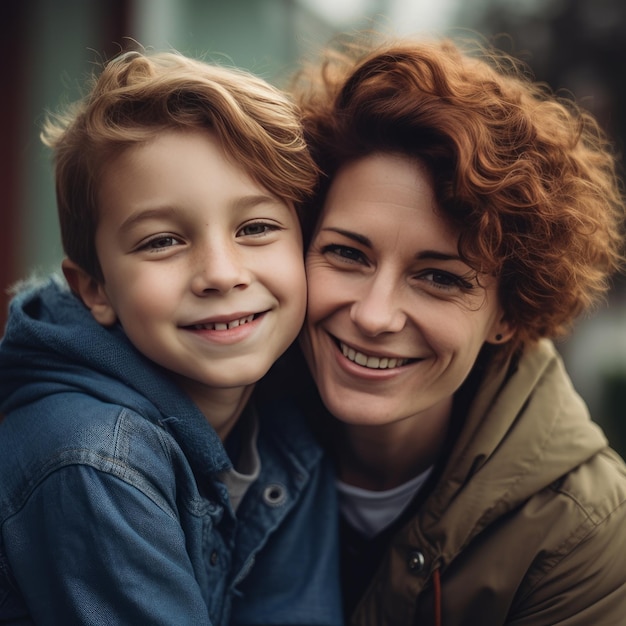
column 140, row 485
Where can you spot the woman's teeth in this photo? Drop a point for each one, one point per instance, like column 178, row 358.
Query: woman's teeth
column 223, row 325
column 373, row 362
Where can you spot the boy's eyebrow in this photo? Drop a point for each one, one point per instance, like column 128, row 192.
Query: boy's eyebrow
column 139, row 216
column 244, row 202
column 366, row 241
column 255, row 199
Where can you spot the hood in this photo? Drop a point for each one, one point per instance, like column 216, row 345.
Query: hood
column 525, row 429
column 52, row 344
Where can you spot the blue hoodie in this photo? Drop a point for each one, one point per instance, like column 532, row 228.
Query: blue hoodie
column 112, row 510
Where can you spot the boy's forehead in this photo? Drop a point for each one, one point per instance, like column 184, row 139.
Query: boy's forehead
column 150, row 178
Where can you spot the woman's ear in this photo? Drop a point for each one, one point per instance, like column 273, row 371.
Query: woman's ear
column 90, row 291
column 501, row 332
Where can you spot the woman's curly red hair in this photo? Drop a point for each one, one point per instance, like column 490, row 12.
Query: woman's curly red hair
column 529, row 178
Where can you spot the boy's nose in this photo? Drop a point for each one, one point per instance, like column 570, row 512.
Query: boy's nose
column 219, row 268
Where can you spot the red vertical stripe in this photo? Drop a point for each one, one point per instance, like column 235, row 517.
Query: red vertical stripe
column 12, row 53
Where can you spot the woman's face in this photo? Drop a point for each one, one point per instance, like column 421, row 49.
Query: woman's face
column 395, row 318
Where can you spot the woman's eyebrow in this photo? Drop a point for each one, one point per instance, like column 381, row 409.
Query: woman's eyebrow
column 434, row 255
column 362, row 239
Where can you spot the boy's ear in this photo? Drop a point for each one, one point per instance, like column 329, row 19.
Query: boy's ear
column 90, row 291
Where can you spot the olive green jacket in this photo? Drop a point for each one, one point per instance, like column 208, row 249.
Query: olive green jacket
column 527, row 524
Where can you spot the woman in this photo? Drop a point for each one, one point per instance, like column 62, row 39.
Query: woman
column 468, row 216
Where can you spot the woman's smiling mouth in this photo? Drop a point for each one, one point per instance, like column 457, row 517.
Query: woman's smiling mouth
column 371, row 361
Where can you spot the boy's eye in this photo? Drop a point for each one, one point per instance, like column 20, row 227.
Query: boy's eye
column 255, row 229
column 160, row 242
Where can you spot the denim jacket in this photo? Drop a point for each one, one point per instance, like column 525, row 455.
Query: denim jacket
column 111, row 507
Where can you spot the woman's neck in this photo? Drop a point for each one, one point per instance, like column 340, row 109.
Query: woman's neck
column 384, row 456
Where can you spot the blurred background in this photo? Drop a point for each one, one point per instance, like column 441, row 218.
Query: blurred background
column 49, row 46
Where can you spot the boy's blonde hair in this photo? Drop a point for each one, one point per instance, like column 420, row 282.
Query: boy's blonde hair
column 135, row 97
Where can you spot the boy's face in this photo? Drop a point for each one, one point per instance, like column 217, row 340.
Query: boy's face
column 202, row 266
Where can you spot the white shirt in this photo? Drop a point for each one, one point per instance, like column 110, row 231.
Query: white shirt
column 370, row 512
column 248, row 469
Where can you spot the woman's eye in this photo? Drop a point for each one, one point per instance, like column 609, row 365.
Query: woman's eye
column 256, row 229
column 445, row 280
column 345, row 253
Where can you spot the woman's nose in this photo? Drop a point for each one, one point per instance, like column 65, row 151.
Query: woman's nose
column 378, row 308
column 219, row 267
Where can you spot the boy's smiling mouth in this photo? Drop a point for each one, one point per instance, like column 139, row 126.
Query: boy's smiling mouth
column 225, row 325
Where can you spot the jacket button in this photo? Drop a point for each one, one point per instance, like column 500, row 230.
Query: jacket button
column 416, row 561
column 213, row 559
column 274, row 495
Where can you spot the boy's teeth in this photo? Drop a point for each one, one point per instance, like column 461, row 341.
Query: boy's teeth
column 224, row 325
column 373, row 362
